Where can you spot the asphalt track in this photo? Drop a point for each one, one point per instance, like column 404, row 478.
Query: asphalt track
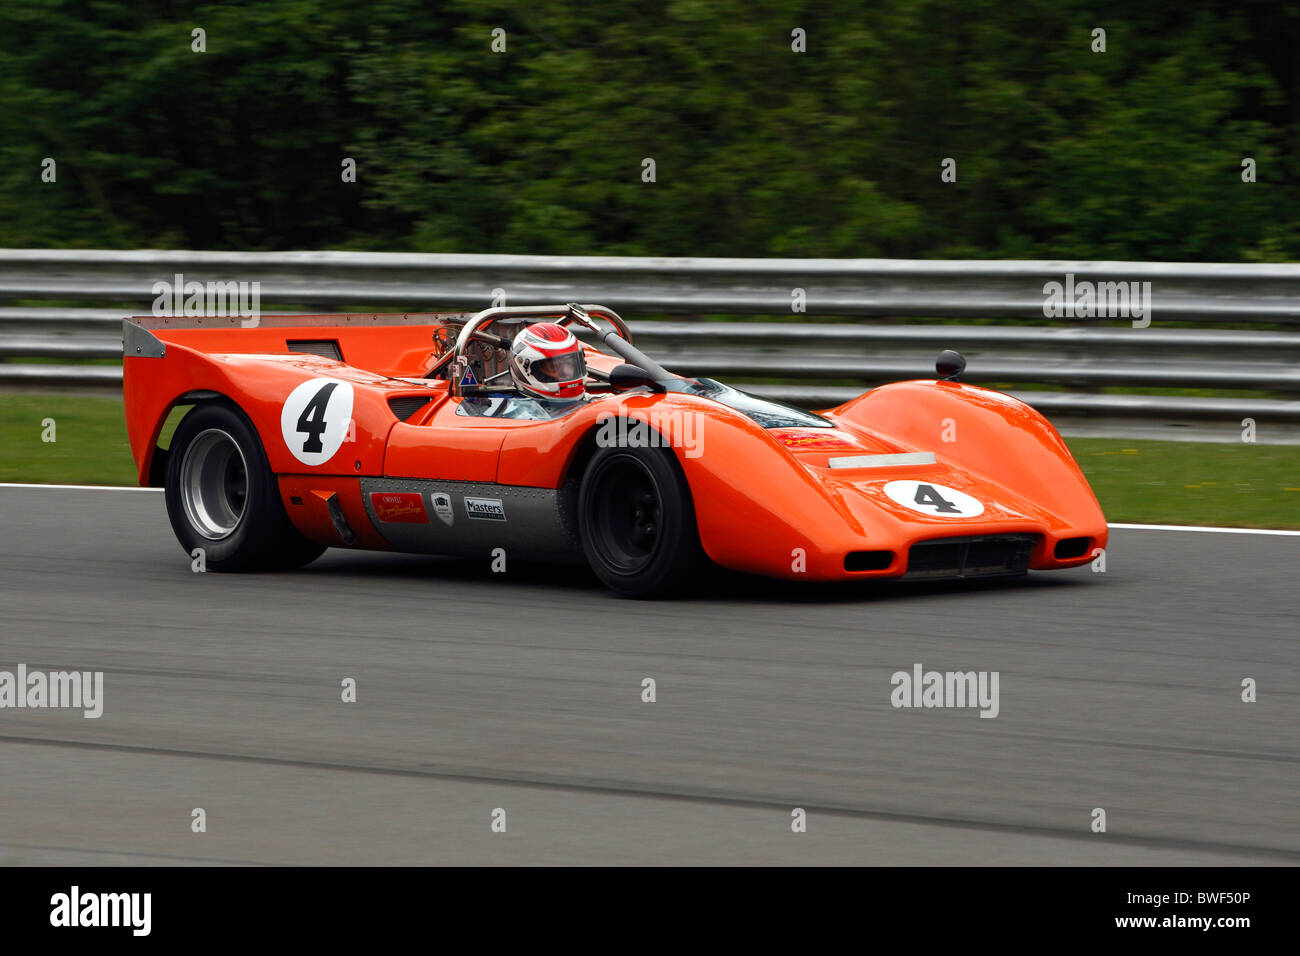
column 522, row 691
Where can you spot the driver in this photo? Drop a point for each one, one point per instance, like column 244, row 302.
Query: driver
column 546, row 361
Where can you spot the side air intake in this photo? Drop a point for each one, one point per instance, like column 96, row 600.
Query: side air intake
column 404, row 406
column 325, row 348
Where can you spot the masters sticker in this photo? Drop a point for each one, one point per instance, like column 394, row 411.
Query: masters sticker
column 487, row 509
column 406, row 507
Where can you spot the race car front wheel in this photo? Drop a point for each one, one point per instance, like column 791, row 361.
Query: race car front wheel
column 637, row 522
column 223, row 499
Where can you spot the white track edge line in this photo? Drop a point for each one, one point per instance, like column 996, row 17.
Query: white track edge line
column 1196, row 527
column 19, row 484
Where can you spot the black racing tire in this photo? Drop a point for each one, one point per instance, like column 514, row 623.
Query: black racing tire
column 636, row 521
column 223, row 498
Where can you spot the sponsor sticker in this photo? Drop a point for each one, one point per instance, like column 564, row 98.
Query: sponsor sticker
column 442, row 507
column 814, row 442
column 405, row 507
column 485, row 509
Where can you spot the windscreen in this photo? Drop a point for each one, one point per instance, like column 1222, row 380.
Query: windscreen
column 766, row 413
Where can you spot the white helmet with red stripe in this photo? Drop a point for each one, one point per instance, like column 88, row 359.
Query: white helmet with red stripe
column 546, row 361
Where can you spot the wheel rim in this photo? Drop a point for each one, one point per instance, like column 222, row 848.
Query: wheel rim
column 625, row 516
column 214, row 484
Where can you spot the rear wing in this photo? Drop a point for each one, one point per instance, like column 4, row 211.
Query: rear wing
column 143, row 334
column 375, row 341
column 175, row 360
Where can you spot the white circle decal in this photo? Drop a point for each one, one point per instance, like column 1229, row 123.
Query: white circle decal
column 316, row 418
column 931, row 499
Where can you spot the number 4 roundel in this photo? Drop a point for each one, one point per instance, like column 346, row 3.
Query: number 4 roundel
column 928, row 498
column 315, row 417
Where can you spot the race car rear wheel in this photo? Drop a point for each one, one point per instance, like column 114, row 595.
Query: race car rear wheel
column 637, row 522
column 222, row 497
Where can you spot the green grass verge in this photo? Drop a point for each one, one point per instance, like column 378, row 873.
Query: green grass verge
column 90, row 446
column 1169, row 482
column 1159, row 482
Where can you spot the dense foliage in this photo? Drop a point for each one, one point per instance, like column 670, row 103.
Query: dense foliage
column 1060, row 151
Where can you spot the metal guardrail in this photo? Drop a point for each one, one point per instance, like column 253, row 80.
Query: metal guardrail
column 797, row 360
column 1213, row 292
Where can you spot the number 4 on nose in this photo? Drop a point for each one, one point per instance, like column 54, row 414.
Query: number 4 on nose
column 926, row 495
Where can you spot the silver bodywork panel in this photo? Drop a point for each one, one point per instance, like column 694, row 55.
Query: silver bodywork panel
column 882, row 461
column 472, row 518
column 139, row 343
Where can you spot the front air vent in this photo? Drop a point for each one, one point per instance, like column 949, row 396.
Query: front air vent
column 868, row 560
column 404, row 406
column 325, row 348
column 1068, row 548
column 971, row 557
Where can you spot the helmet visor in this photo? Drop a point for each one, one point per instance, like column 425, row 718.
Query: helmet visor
column 568, row 367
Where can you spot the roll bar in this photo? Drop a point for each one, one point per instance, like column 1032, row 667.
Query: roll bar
column 619, row 339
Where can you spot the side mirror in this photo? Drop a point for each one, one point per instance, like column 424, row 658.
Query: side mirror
column 631, row 376
column 950, row 365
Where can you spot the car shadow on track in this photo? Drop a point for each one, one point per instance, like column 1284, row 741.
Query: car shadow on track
column 716, row 584
column 732, row 586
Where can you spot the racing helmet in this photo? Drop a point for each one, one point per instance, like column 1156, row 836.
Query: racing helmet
column 546, row 361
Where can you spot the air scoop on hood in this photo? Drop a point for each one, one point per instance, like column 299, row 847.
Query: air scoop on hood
column 840, row 449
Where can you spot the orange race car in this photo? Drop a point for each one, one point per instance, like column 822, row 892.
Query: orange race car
column 501, row 434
